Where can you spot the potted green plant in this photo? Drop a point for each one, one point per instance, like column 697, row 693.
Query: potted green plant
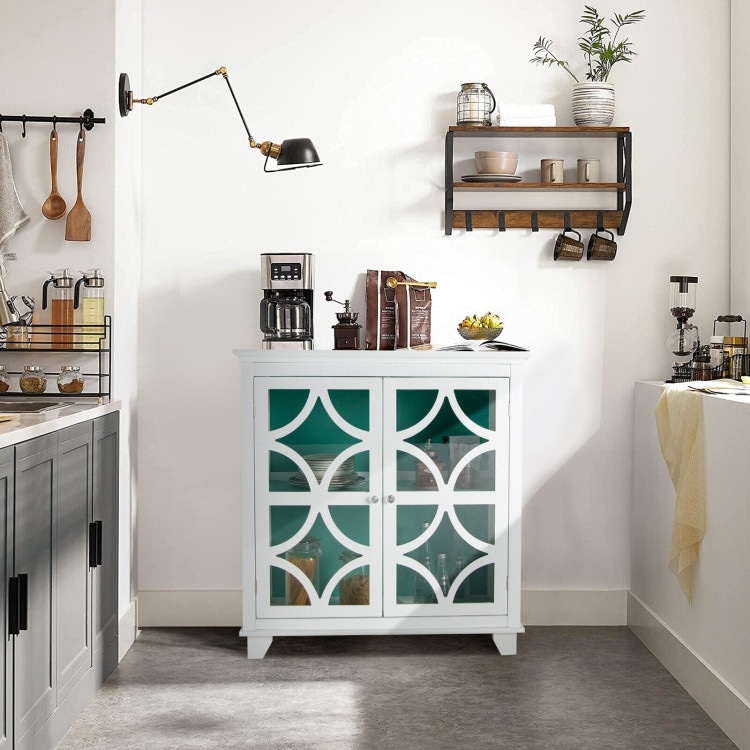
column 602, row 48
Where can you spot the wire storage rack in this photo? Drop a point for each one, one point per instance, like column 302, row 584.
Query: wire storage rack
column 55, row 346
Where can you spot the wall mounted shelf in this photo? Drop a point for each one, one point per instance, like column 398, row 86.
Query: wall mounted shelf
column 502, row 219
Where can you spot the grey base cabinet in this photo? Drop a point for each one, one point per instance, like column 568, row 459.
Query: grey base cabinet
column 59, row 531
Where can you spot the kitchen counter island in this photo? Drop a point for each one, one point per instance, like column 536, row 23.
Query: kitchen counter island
column 706, row 643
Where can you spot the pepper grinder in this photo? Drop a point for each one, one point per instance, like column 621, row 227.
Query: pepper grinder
column 346, row 331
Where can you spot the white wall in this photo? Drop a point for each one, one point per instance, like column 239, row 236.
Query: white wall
column 61, row 62
column 740, row 272
column 376, row 92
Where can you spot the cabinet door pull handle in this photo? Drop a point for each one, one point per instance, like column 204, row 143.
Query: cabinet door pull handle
column 374, row 499
column 92, row 544
column 13, row 606
column 23, row 601
column 390, row 499
column 99, row 538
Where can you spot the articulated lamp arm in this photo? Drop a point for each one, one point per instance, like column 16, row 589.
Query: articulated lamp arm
column 291, row 153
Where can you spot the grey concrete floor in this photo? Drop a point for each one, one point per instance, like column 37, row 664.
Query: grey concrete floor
column 569, row 688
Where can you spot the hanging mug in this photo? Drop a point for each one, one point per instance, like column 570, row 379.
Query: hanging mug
column 475, row 104
column 568, row 248
column 601, row 248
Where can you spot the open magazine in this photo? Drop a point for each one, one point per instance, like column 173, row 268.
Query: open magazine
column 493, row 346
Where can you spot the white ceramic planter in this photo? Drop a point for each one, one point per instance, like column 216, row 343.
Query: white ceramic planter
column 593, row 104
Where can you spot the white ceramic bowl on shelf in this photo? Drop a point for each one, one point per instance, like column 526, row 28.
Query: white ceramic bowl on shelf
column 496, row 162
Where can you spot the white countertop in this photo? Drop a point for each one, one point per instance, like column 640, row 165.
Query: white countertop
column 33, row 425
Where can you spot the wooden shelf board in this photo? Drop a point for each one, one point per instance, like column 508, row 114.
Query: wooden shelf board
column 556, row 131
column 594, row 186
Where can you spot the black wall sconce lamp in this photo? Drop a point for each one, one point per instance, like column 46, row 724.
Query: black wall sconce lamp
column 292, row 153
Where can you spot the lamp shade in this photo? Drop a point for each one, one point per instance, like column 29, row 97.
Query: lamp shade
column 298, row 152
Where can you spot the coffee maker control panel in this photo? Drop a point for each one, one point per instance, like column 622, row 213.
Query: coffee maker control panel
column 286, row 272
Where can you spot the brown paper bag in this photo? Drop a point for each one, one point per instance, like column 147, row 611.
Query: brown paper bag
column 396, row 318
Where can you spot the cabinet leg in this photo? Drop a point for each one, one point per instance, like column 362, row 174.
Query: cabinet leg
column 257, row 646
column 505, row 642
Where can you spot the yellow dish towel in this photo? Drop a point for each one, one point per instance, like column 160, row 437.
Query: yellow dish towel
column 679, row 422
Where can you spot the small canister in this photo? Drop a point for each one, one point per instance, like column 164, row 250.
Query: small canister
column 33, row 380
column 701, row 368
column 355, row 585
column 716, row 354
column 70, row 379
column 4, row 379
column 306, row 556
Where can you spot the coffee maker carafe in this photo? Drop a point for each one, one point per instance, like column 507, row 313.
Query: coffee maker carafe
column 286, row 310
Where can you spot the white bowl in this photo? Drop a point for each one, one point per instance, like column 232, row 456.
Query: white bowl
column 496, row 162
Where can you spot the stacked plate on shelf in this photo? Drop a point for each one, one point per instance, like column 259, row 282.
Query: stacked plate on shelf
column 319, row 463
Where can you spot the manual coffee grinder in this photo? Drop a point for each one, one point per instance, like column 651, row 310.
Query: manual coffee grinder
column 684, row 340
column 346, row 331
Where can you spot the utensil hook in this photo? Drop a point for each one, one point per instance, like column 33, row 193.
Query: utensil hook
column 23, row 120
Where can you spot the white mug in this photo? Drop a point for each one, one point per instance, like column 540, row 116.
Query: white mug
column 588, row 170
column 552, row 170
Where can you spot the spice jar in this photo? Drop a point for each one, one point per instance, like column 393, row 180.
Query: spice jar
column 33, row 380
column 306, row 556
column 4, row 379
column 355, row 585
column 70, row 379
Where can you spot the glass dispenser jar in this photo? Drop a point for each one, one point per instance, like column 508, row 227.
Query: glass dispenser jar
column 91, row 304
column 61, row 316
column 355, row 585
column 33, row 380
column 70, row 379
column 306, row 556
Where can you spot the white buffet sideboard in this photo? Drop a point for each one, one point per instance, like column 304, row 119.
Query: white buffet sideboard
column 381, row 494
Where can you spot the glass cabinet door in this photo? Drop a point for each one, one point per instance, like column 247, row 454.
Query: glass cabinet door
column 318, row 478
column 445, row 481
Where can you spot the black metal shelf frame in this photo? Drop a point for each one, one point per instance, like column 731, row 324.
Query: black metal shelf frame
column 44, row 336
column 530, row 219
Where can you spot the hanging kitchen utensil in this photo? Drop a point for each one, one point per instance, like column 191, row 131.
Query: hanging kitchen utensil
column 54, row 207
column 78, row 226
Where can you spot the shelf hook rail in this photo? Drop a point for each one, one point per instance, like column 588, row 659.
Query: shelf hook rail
column 85, row 120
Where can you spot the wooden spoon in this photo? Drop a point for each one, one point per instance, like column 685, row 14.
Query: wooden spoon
column 54, row 207
column 78, row 226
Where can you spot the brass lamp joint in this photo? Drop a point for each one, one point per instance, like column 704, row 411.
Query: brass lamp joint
column 266, row 148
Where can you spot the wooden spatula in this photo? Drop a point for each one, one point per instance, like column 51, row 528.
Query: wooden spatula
column 78, row 224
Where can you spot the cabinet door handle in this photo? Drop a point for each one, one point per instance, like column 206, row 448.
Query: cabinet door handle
column 99, row 538
column 13, row 606
column 23, row 601
column 93, row 546
column 374, row 499
column 390, row 499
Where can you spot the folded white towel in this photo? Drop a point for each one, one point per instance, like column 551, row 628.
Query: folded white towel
column 539, row 122
column 12, row 214
column 508, row 109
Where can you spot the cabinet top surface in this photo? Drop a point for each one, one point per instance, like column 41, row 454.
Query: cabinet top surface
column 371, row 357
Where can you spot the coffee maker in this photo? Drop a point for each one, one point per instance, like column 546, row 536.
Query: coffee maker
column 286, row 310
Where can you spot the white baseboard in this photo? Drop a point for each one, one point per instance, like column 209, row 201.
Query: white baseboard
column 224, row 608
column 728, row 709
column 128, row 629
column 573, row 607
column 189, row 609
